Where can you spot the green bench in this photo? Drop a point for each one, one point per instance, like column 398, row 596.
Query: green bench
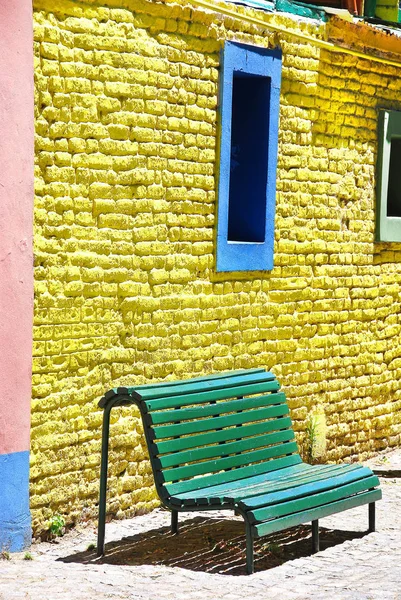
column 226, row 442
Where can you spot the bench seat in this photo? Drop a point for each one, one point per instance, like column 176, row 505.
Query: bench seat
column 226, row 442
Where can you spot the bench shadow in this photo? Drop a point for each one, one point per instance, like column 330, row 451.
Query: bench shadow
column 211, row 545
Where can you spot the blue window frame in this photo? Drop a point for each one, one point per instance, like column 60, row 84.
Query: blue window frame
column 249, row 98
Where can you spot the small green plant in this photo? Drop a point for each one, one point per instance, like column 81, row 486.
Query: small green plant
column 316, row 435
column 28, row 556
column 91, row 546
column 274, row 548
column 311, row 439
column 5, row 555
column 56, row 525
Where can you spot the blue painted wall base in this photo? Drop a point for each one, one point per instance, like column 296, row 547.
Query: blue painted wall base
column 15, row 518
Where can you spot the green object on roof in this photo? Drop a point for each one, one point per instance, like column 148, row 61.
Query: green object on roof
column 301, row 9
column 370, row 8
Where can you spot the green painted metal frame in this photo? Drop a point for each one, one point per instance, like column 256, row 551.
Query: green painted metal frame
column 253, row 528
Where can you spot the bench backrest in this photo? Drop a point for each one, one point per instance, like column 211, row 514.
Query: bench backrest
column 216, row 429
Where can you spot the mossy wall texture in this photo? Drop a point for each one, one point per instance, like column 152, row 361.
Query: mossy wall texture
column 126, row 291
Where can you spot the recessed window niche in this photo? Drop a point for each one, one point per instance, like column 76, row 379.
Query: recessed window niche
column 249, row 104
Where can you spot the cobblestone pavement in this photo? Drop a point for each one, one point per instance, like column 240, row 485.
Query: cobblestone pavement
column 206, row 560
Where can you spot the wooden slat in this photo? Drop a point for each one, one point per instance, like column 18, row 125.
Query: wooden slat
column 229, row 492
column 286, row 478
column 236, row 474
column 202, row 439
column 196, row 387
column 180, row 400
column 180, row 458
column 312, row 500
column 220, row 408
column 125, row 393
column 215, row 376
column 315, row 513
column 228, row 462
column 292, row 491
column 219, row 490
column 247, row 494
column 259, row 414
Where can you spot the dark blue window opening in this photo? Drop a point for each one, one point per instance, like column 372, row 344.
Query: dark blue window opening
column 249, row 158
column 249, row 104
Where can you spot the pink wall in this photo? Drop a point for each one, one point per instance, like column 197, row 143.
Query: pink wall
column 16, row 207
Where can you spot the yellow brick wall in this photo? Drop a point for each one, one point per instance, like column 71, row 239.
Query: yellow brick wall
column 126, row 114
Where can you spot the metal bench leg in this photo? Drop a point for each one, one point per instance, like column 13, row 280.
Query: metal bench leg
column 249, row 549
column 174, row 521
column 103, row 481
column 372, row 517
column 315, row 536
